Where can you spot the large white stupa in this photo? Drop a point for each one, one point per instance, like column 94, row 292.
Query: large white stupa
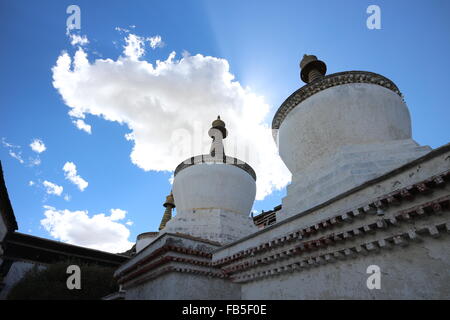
column 213, row 194
column 338, row 131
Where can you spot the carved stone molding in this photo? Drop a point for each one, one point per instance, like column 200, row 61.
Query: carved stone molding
column 370, row 207
column 326, row 82
column 206, row 158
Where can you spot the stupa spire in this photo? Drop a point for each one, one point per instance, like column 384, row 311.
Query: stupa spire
column 312, row 68
column 169, row 205
column 218, row 132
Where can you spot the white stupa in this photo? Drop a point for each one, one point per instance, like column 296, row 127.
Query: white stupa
column 213, row 194
column 338, row 131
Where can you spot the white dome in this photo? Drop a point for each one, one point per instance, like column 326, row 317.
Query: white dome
column 339, row 131
column 213, row 194
column 144, row 239
column 214, row 186
column 342, row 115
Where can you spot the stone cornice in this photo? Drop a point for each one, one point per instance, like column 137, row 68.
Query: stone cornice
column 243, row 271
column 379, row 203
column 163, row 260
column 326, row 82
column 395, row 240
column 430, row 155
column 144, row 277
column 158, row 253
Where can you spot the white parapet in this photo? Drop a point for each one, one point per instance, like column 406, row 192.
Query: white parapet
column 144, row 239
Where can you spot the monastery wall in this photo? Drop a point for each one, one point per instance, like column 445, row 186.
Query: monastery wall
column 417, row 271
column 399, row 222
column 182, row 286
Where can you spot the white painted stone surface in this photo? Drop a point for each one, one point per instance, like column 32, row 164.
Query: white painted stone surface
column 343, row 115
column 176, row 285
column 413, row 272
column 143, row 241
column 182, row 286
column 218, row 225
column 334, row 142
column 166, row 239
column 419, row 270
column 216, row 185
column 349, row 167
column 341, row 137
column 213, row 202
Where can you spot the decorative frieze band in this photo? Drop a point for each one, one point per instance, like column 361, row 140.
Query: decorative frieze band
column 389, row 243
column 432, row 207
column 372, row 207
column 168, row 269
column 158, row 252
column 326, row 82
column 167, row 259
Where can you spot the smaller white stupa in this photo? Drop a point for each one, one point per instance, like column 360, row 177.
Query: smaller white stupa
column 213, row 194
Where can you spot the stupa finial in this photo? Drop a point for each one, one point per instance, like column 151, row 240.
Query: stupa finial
column 312, row 68
column 169, row 205
column 220, row 125
column 218, row 132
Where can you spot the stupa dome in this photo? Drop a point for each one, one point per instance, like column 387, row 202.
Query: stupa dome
column 339, row 131
column 337, row 110
column 214, row 193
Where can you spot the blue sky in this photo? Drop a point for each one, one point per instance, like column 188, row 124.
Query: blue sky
column 262, row 41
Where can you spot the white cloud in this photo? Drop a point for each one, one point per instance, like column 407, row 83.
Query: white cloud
column 129, row 223
column 117, row 214
column 78, row 40
column 52, row 188
column 77, row 227
column 37, row 146
column 7, row 144
column 82, row 125
column 67, row 197
column 134, row 48
column 122, row 29
column 17, row 155
column 70, row 173
column 34, row 161
column 169, row 105
column 31, row 183
column 13, row 150
column 155, row 42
